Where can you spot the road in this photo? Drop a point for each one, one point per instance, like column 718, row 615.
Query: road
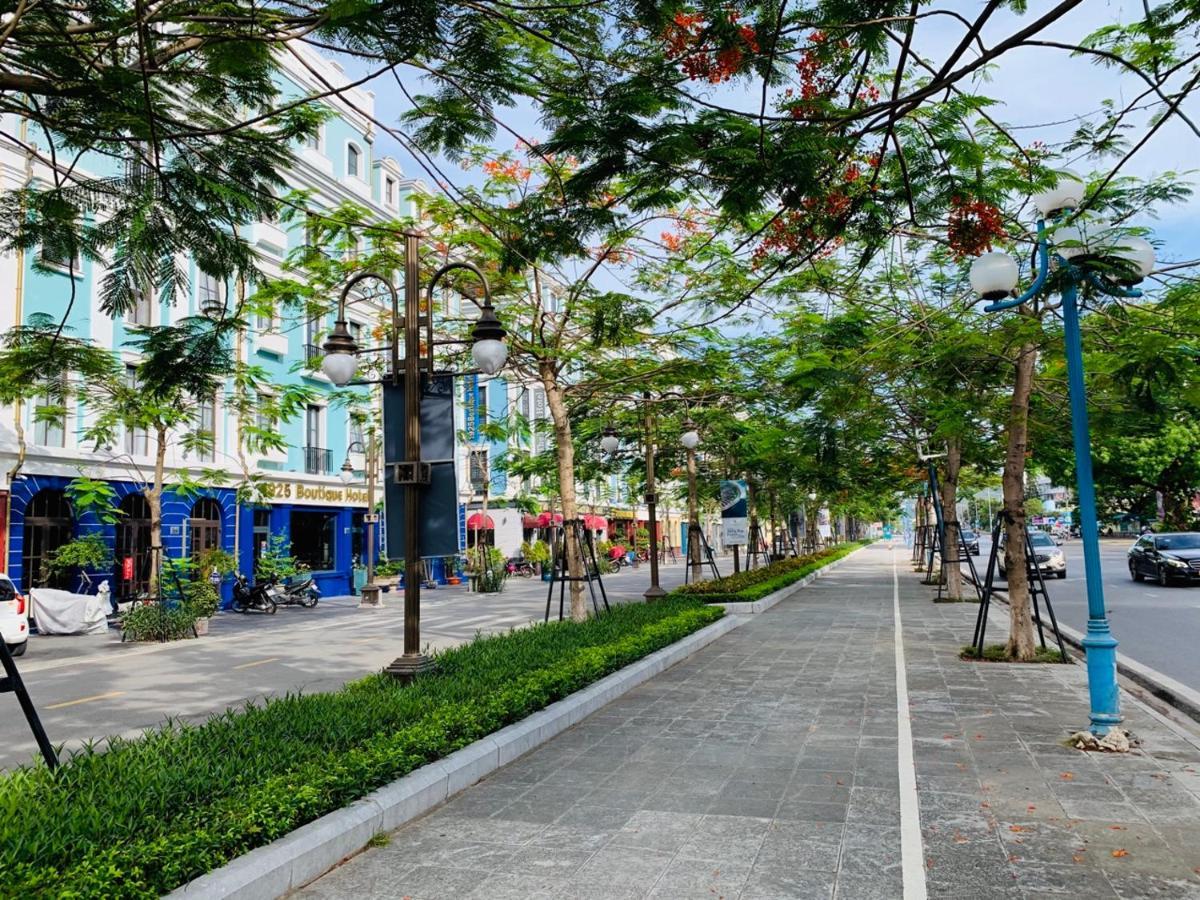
column 90, row 687
column 1158, row 627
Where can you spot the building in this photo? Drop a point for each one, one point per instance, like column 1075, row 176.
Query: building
column 311, row 507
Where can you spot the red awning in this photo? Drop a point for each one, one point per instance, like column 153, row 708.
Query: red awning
column 595, row 523
column 477, row 522
column 529, row 522
column 545, row 520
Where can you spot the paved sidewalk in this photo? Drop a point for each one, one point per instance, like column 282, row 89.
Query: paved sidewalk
column 768, row 766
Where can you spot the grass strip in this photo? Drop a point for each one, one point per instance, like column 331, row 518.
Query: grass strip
column 754, row 584
column 154, row 812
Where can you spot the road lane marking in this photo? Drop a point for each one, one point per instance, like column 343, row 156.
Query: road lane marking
column 258, row 662
column 912, row 855
column 91, row 699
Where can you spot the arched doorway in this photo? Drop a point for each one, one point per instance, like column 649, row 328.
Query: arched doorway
column 204, row 527
column 49, row 523
column 132, row 551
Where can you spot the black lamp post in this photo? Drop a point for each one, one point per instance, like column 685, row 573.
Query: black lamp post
column 489, row 353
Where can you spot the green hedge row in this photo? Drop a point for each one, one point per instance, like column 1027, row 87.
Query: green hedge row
column 747, row 587
column 154, row 812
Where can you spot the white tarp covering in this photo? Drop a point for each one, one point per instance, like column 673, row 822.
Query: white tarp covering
column 61, row 612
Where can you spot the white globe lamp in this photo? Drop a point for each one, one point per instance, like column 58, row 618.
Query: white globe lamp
column 994, row 275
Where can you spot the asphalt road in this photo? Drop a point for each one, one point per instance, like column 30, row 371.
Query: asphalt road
column 1155, row 626
column 90, row 687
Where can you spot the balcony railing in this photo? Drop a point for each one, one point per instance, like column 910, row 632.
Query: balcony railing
column 318, row 461
column 313, row 353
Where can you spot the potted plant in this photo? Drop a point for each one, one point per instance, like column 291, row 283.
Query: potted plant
column 450, row 564
column 389, row 573
column 538, row 555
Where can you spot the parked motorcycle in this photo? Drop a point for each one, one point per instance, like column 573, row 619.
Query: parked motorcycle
column 519, row 566
column 303, row 592
column 247, row 597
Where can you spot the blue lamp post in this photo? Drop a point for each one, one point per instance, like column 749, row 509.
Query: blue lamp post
column 994, row 276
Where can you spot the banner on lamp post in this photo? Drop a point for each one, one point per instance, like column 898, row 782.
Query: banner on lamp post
column 735, row 521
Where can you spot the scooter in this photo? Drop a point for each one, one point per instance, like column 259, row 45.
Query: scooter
column 256, row 597
column 297, row 593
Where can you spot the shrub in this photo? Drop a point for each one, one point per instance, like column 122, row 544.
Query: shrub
column 754, row 584
column 164, row 621
column 155, row 811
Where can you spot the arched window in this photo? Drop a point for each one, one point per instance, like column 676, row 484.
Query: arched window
column 353, row 160
column 132, row 551
column 49, row 523
column 204, row 527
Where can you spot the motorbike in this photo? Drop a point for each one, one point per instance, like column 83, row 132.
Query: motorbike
column 303, row 592
column 519, row 566
column 247, row 597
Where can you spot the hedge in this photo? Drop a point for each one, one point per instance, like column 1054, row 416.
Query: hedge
column 153, row 812
column 754, row 584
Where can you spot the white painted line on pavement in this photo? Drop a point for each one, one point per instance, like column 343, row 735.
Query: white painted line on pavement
column 912, row 854
column 67, row 703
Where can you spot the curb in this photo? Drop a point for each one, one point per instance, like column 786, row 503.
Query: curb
column 313, row 849
column 761, row 606
column 1164, row 687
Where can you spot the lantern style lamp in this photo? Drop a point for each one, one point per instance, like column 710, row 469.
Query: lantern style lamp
column 341, row 351
column 690, row 437
column 489, row 351
column 610, row 442
column 347, row 473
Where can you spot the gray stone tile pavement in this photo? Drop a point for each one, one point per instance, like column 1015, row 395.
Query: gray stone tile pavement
column 765, row 767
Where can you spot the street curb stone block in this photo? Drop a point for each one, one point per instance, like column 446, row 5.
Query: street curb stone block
column 297, row 858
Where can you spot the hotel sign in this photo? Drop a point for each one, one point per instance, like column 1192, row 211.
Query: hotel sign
column 318, row 494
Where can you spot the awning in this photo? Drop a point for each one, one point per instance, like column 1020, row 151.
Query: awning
column 529, row 522
column 478, row 522
column 595, row 523
column 545, row 520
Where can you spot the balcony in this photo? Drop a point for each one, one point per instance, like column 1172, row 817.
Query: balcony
column 318, row 461
column 313, row 354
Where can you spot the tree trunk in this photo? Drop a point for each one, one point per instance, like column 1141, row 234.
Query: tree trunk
column 153, row 495
column 952, row 551
column 1020, row 636
column 565, row 453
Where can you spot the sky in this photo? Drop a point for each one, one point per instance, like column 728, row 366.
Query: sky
column 1040, row 91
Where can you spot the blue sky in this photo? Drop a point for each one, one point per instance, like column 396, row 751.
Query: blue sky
column 1037, row 87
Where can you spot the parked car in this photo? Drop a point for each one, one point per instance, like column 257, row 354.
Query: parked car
column 971, row 539
column 1048, row 555
column 1167, row 558
column 14, row 617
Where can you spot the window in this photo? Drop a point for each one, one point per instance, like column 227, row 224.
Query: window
column 264, row 412
column 206, row 424
column 50, row 428
column 49, row 523
column 204, row 527
column 356, row 435
column 313, row 537
column 137, row 437
column 313, row 141
column 132, row 550
column 356, row 332
column 389, row 191
column 140, row 314
column 312, row 230
column 353, row 160
column 312, row 340
column 317, row 459
column 264, row 319
column 58, row 259
column 208, row 295
column 478, row 469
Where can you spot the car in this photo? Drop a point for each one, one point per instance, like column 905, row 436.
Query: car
column 14, row 617
column 1167, row 558
column 1049, row 556
column 971, row 539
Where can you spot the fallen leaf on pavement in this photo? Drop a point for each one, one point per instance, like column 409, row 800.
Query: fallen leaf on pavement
column 1116, row 827
column 1077, row 857
column 1018, row 828
column 1030, row 807
column 1067, row 776
column 1119, row 852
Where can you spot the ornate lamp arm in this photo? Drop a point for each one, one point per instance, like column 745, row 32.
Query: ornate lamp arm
column 1038, row 282
column 1113, row 290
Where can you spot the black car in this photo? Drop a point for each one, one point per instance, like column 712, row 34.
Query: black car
column 971, row 539
column 1167, row 558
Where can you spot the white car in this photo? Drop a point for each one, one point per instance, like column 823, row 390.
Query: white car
column 14, row 617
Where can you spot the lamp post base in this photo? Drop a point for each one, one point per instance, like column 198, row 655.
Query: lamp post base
column 371, row 597
column 407, row 667
column 654, row 592
column 1101, row 649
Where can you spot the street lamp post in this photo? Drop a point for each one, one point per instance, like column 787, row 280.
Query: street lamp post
column 994, row 276
column 655, row 591
column 489, row 353
column 690, row 439
column 372, row 597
